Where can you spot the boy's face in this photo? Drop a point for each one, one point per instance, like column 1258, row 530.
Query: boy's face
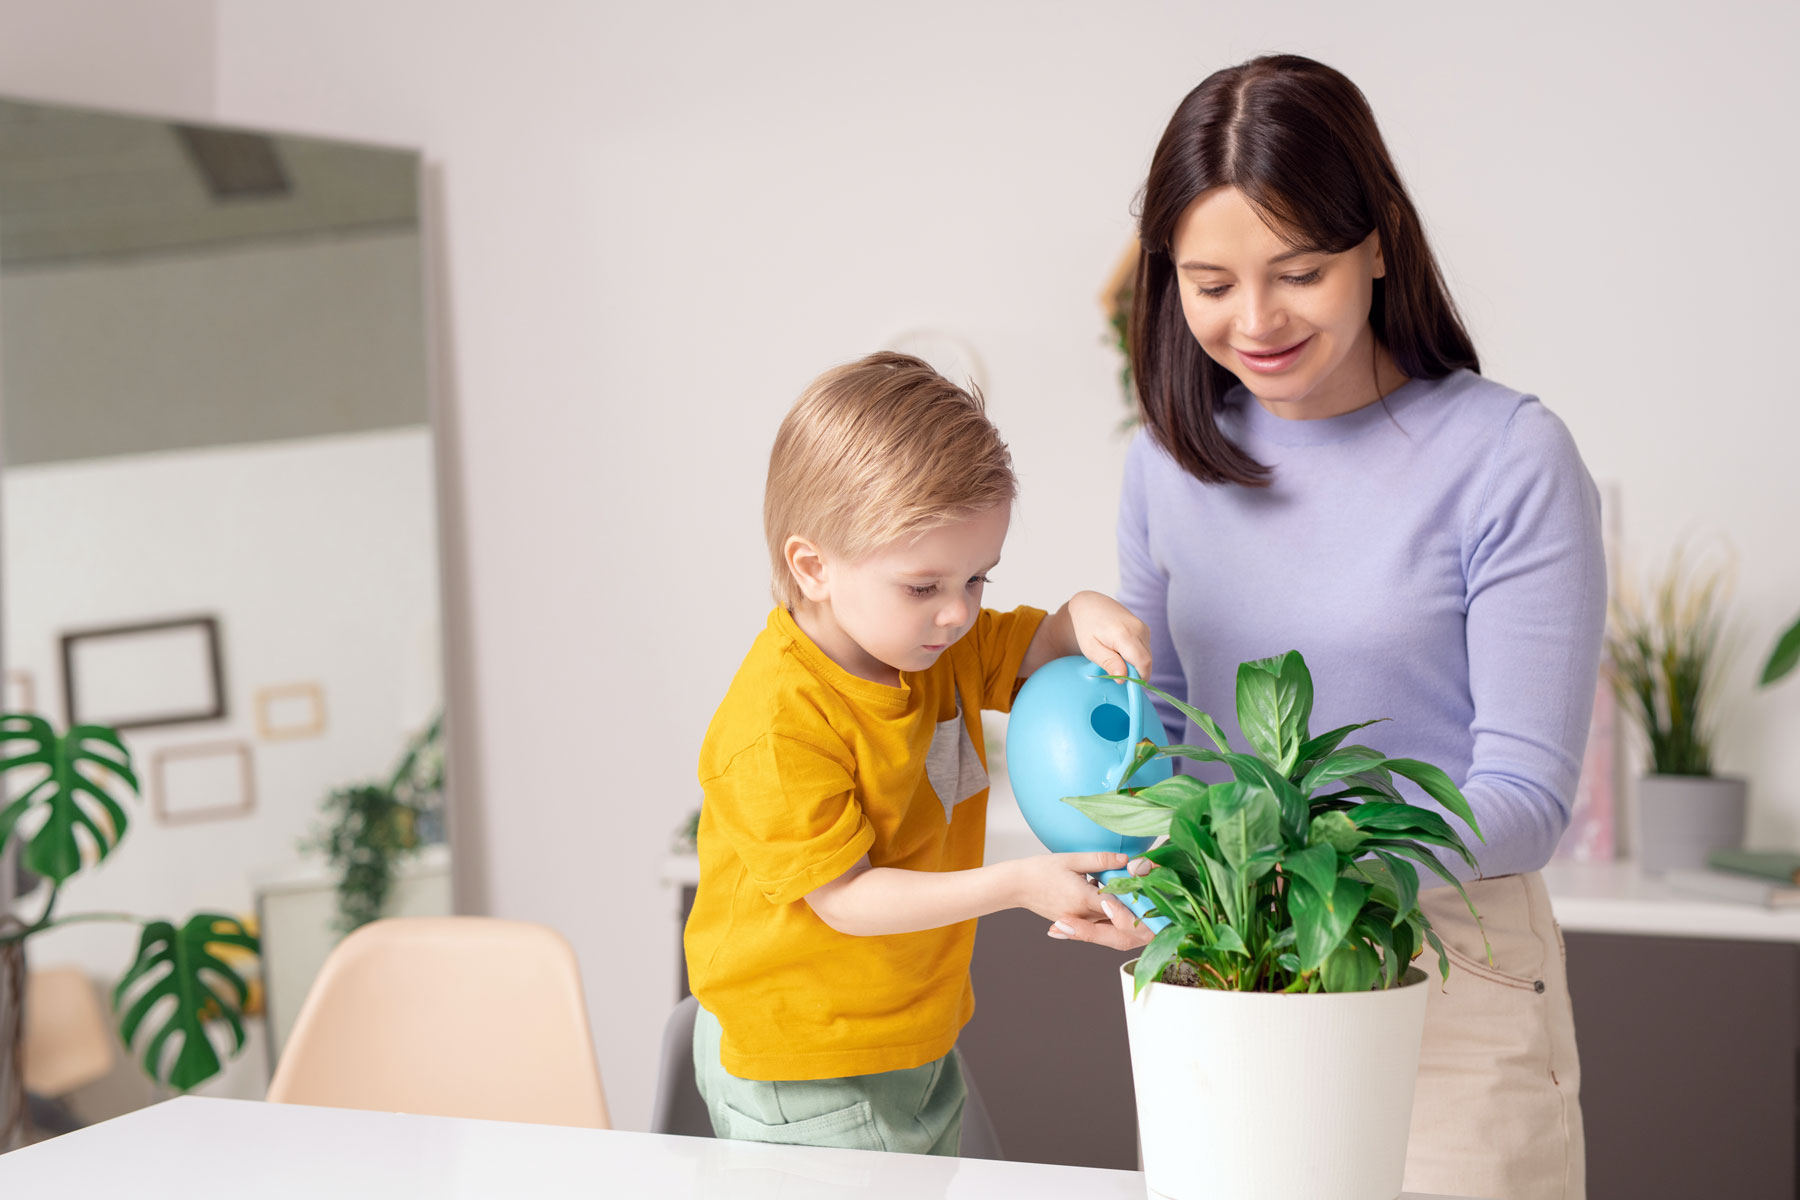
column 901, row 607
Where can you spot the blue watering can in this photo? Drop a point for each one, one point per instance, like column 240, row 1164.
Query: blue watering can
column 1072, row 733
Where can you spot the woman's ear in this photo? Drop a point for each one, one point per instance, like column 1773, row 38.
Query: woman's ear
column 806, row 563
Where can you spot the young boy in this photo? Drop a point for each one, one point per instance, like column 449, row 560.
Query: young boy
column 845, row 774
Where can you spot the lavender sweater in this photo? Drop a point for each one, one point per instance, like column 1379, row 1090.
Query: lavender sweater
column 1437, row 560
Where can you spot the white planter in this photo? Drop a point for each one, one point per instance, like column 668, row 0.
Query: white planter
column 1266, row 1097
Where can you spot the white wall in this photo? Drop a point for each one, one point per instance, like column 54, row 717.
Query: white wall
column 662, row 219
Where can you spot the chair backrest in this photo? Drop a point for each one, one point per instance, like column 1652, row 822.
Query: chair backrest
column 67, row 1038
column 680, row 1109
column 447, row 1016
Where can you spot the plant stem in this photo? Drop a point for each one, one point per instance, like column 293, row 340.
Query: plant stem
column 43, row 923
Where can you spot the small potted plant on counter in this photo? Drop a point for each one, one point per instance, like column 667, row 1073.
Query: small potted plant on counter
column 1275, row 1023
column 1662, row 656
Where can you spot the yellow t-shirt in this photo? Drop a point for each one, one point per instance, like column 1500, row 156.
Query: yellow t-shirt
column 805, row 769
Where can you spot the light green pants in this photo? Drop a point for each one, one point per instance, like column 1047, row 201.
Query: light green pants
column 915, row 1111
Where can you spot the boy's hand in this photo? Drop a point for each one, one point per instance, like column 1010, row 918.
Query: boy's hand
column 1108, row 635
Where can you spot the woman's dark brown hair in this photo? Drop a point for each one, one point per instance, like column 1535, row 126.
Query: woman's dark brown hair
column 1299, row 141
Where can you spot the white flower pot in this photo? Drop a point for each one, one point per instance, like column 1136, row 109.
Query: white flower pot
column 1267, row 1097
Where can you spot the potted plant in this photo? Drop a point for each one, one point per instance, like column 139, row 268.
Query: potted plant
column 1663, row 660
column 1275, row 1023
column 69, row 800
column 375, row 825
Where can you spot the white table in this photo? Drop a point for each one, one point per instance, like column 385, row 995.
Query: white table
column 191, row 1145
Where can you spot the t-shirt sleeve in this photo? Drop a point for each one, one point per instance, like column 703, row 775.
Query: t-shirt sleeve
column 1536, row 595
column 1001, row 639
column 789, row 810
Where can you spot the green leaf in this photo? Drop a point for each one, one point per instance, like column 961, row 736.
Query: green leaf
column 1443, row 959
column 1245, row 819
column 1405, row 879
column 1317, row 865
column 1438, row 786
column 1785, row 655
column 1340, row 764
column 1146, row 750
column 1174, row 791
column 180, row 964
column 1337, row 830
column 1274, row 704
column 68, row 793
column 1155, row 957
column 1316, row 748
column 1408, row 821
column 1321, row 920
column 1227, row 941
column 1352, row 967
column 1129, row 815
column 1206, row 724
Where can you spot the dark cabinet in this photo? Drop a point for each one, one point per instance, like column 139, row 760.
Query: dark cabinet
column 1688, row 1052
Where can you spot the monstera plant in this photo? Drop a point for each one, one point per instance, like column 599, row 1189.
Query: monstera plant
column 68, row 815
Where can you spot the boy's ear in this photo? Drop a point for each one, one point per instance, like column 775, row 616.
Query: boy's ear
column 806, row 563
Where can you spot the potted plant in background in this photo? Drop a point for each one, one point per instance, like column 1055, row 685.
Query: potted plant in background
column 1663, row 656
column 1275, row 1024
column 180, row 979
column 376, row 825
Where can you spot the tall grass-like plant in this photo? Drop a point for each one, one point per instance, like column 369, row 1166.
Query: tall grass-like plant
column 1663, row 651
column 1300, row 874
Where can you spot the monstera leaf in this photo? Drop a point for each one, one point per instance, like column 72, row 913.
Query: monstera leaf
column 200, row 982
column 72, row 799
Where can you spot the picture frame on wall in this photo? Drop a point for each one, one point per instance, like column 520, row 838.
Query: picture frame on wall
column 207, row 781
column 146, row 674
column 287, row 711
column 21, row 691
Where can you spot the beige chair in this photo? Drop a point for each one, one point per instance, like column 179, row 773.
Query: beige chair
column 447, row 1016
column 67, row 1042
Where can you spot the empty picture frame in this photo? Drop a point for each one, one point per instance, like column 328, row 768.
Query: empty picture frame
column 135, row 676
column 290, row 710
column 21, row 692
column 208, row 781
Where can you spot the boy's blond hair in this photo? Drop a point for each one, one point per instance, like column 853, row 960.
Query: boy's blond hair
column 875, row 451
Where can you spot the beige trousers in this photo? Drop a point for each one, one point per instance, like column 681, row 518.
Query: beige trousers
column 1497, row 1109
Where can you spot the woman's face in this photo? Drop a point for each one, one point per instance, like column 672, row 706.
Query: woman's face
column 1292, row 325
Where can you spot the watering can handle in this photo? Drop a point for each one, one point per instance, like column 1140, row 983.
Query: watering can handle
column 1140, row 905
column 1134, row 713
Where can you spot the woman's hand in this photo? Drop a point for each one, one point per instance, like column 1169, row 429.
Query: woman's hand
column 1107, row 634
column 1056, row 886
column 1121, row 930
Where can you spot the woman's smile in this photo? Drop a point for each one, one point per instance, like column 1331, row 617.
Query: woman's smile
column 1273, row 361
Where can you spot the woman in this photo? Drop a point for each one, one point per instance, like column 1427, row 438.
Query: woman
column 1322, row 469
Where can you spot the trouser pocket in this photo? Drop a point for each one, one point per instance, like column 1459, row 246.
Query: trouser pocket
column 849, row 1128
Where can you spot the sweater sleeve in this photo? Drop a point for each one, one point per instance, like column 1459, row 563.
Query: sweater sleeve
column 1535, row 573
column 1144, row 583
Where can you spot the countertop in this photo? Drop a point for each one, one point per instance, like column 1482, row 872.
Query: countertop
column 1589, row 897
